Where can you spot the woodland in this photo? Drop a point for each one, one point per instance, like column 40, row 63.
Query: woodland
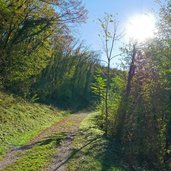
column 42, row 62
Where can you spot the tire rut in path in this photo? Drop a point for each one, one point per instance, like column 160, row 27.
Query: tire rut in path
column 65, row 149
column 69, row 125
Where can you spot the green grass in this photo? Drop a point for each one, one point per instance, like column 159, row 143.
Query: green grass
column 92, row 150
column 39, row 155
column 20, row 121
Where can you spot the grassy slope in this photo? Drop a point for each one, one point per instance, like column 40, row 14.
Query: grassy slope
column 20, row 121
column 92, row 150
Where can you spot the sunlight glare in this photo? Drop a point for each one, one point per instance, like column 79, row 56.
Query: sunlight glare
column 141, row 27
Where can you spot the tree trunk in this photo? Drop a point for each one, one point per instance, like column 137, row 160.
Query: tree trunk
column 106, row 98
column 122, row 111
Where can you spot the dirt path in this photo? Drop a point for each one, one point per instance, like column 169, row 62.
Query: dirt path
column 69, row 125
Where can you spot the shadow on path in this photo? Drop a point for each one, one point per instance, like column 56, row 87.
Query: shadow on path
column 73, row 153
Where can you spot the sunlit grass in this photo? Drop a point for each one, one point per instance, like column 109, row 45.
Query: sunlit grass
column 92, row 151
column 21, row 121
column 39, row 155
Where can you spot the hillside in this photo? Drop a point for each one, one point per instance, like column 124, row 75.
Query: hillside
column 22, row 120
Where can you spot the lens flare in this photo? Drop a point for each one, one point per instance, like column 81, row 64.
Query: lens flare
column 141, row 27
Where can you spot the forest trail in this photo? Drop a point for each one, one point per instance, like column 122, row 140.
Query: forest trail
column 68, row 125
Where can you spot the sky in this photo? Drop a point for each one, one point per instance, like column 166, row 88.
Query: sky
column 124, row 9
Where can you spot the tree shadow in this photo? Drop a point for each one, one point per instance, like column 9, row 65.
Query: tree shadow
column 110, row 157
column 104, row 150
column 75, row 151
column 57, row 138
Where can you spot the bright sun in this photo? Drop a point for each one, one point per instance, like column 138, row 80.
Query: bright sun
column 141, row 27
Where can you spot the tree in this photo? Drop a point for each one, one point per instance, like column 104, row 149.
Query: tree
column 67, row 78
column 143, row 120
column 27, row 34
column 122, row 110
column 109, row 40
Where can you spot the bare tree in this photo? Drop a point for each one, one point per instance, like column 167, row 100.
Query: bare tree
column 68, row 11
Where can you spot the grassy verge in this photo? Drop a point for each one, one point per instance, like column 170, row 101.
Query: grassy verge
column 20, row 121
column 92, row 151
column 39, row 154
